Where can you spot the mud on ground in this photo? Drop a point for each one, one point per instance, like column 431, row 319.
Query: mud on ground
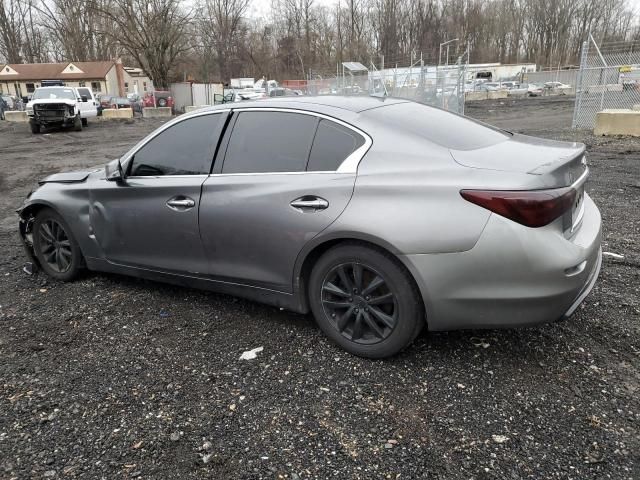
column 112, row 377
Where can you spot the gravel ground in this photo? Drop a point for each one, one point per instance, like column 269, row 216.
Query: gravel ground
column 112, row 377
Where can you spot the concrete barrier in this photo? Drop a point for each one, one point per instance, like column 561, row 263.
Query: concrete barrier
column 151, row 112
column 16, row 116
column 475, row 96
column 496, row 94
column 618, row 122
column 191, row 108
column 111, row 113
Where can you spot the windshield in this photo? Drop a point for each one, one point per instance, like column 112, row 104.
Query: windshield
column 54, row 93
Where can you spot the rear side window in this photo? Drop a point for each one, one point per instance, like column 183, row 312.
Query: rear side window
column 332, row 144
column 269, row 142
column 438, row 126
column 186, row 148
column 85, row 92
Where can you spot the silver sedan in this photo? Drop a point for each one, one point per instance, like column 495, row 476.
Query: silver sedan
column 380, row 216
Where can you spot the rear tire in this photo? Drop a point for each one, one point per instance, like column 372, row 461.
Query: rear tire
column 85, row 122
column 365, row 301
column 77, row 123
column 55, row 247
column 35, row 127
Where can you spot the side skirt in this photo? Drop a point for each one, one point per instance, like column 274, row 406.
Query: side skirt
column 287, row 301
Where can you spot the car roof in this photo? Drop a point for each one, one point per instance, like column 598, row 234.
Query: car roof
column 319, row 104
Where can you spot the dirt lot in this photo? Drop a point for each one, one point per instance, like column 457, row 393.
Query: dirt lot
column 111, row 377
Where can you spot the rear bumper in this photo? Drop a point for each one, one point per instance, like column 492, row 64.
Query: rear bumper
column 514, row 276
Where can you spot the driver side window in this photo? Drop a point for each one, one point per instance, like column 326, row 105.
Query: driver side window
column 186, row 148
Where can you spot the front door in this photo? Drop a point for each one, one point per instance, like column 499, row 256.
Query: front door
column 151, row 220
column 90, row 107
column 278, row 186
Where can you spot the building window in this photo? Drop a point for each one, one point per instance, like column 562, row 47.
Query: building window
column 145, row 86
column 31, row 88
column 81, row 84
column 95, row 86
column 126, row 86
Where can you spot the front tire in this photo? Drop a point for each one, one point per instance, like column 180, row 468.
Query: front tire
column 35, row 127
column 55, row 247
column 77, row 123
column 85, row 122
column 365, row 301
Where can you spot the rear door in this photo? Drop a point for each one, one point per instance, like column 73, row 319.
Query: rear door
column 90, row 107
column 284, row 176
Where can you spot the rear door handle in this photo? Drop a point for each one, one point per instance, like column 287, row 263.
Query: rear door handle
column 181, row 203
column 309, row 202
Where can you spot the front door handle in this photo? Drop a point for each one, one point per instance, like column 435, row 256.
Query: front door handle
column 309, row 202
column 181, row 203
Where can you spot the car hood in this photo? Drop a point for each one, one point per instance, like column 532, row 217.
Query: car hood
column 43, row 101
column 68, row 177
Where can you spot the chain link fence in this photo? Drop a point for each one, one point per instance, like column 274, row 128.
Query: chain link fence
column 609, row 78
column 441, row 86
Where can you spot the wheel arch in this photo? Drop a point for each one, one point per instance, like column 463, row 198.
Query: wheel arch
column 27, row 216
column 315, row 249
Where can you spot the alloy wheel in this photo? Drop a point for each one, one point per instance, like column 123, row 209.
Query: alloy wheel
column 358, row 302
column 55, row 246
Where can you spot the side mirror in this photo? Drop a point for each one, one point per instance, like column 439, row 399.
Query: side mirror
column 113, row 171
column 84, row 98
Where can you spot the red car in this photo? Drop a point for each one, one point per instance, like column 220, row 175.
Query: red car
column 162, row 99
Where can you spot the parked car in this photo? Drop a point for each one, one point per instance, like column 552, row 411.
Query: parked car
column 282, row 92
column 9, row 101
column 3, row 108
column 59, row 107
column 488, row 87
column 105, row 101
column 519, row 89
column 380, row 216
column 120, row 102
column 535, row 90
column 509, row 85
column 556, row 86
column 158, row 99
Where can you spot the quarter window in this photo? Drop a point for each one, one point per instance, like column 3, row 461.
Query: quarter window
column 186, row 148
column 332, row 144
column 270, row 142
column 84, row 92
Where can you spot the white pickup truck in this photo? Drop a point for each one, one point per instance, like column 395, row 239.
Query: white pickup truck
column 61, row 106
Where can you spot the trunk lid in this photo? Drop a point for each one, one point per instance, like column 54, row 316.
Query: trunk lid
column 560, row 163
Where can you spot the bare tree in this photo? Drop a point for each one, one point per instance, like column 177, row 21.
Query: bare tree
column 152, row 32
column 221, row 30
column 11, row 33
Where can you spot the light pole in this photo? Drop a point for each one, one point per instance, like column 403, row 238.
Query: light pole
column 442, row 45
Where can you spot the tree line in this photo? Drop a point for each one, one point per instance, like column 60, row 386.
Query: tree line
column 215, row 40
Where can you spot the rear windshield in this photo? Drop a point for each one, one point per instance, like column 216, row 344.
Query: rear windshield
column 438, row 126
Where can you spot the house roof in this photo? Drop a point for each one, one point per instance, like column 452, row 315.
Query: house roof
column 55, row 71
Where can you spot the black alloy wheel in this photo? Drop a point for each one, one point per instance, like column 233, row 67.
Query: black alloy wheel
column 55, row 248
column 365, row 300
column 359, row 303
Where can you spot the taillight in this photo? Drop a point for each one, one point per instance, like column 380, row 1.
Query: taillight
column 532, row 208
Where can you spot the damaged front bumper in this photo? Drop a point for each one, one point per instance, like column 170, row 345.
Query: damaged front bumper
column 25, row 228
